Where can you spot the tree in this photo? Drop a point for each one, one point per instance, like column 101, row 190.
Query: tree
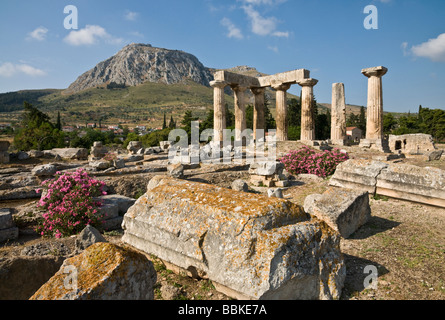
column 36, row 131
column 164, row 124
column 389, row 123
column 58, row 123
column 172, row 123
column 362, row 120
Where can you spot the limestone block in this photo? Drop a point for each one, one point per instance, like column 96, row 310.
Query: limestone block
column 44, row 170
column 357, row 174
column 100, row 164
column 176, row 170
column 4, row 157
column 434, row 155
column 22, row 155
column 122, row 202
column 104, row 271
column 240, row 185
column 254, row 246
column 134, row 146
column 87, row 237
column 343, row 210
column 277, row 193
column 266, row 168
column 6, row 219
column 71, row 153
column 409, row 182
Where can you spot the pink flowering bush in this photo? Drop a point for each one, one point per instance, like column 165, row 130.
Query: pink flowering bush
column 70, row 205
column 306, row 160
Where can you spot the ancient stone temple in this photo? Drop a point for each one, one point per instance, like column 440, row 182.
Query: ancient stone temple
column 280, row 82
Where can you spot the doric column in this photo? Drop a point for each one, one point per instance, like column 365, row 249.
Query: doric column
column 259, row 121
column 307, row 112
column 374, row 120
column 281, row 109
column 338, row 114
column 219, row 109
column 240, row 110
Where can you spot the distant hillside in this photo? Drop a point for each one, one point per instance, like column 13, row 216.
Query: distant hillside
column 136, row 64
column 13, row 101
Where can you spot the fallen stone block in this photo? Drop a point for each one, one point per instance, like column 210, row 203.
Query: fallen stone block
column 240, row 185
column 46, row 170
column 4, row 157
column 87, row 237
column 71, row 153
column 358, row 174
column 434, row 155
column 343, row 210
column 277, row 193
column 176, row 170
column 103, row 271
column 252, row 246
column 413, row 183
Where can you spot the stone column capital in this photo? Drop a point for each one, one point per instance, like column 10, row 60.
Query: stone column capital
column 280, row 85
column 257, row 91
column 308, row 82
column 218, row 84
column 375, row 72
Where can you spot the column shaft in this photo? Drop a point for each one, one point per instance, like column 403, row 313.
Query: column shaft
column 307, row 109
column 219, row 110
column 240, row 111
column 338, row 113
column 281, row 109
column 259, row 121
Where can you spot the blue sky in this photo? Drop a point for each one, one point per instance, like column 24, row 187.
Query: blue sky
column 324, row 36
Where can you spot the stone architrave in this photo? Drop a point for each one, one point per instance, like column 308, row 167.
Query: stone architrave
column 307, row 112
column 338, row 114
column 374, row 118
column 281, row 109
column 259, row 122
column 219, row 120
column 240, row 110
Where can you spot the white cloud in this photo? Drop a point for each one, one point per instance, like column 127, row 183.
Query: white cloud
column 234, row 32
column 273, row 48
column 9, row 69
column 433, row 49
column 38, row 34
column 131, row 16
column 263, row 26
column 260, row 2
column 89, row 36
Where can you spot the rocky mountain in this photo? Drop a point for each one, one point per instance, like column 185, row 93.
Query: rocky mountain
column 139, row 63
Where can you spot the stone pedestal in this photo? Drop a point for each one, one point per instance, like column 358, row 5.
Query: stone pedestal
column 307, row 109
column 338, row 114
column 281, row 109
column 219, row 120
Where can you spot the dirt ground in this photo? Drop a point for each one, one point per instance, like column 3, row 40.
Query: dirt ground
column 403, row 241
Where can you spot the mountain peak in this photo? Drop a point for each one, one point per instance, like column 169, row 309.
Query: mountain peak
column 137, row 63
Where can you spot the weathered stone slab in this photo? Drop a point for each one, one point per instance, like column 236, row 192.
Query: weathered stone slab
column 71, row 153
column 357, row 174
column 409, row 182
column 343, row 210
column 9, row 234
column 104, row 272
column 6, row 219
column 44, row 170
column 258, row 247
column 4, row 145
